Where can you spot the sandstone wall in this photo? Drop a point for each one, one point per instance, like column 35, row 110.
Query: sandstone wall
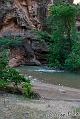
column 19, row 18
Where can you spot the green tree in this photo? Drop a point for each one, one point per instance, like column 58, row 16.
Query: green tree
column 73, row 60
column 62, row 24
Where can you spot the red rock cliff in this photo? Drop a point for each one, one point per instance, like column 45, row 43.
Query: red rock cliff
column 18, row 18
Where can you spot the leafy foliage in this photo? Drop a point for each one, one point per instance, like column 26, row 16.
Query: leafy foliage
column 73, row 60
column 12, row 75
column 62, row 37
column 7, row 42
column 64, row 17
column 9, row 75
column 3, row 59
column 27, row 89
column 3, row 84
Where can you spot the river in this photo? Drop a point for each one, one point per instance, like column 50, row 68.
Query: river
column 56, row 77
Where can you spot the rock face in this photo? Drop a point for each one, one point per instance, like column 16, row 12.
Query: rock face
column 59, row 1
column 19, row 18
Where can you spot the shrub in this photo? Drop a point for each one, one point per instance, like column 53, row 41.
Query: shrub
column 73, row 60
column 27, row 89
column 9, row 75
column 3, row 59
column 7, row 42
column 13, row 76
column 3, row 84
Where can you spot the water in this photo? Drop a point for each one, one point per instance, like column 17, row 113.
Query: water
column 55, row 77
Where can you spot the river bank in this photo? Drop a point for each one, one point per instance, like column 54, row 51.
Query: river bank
column 18, row 107
column 56, row 102
column 54, row 92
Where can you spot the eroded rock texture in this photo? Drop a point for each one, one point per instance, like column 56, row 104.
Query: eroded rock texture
column 59, row 1
column 19, row 18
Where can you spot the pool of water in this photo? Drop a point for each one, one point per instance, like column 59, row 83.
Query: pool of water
column 56, row 77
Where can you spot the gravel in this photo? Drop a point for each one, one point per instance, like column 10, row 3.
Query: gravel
column 18, row 107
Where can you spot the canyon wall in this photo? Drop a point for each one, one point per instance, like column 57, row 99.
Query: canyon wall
column 20, row 18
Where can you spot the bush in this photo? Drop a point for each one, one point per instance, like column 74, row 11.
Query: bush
column 27, row 89
column 8, row 42
column 3, row 84
column 73, row 60
column 13, row 76
column 11, row 81
column 8, row 75
column 3, row 59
